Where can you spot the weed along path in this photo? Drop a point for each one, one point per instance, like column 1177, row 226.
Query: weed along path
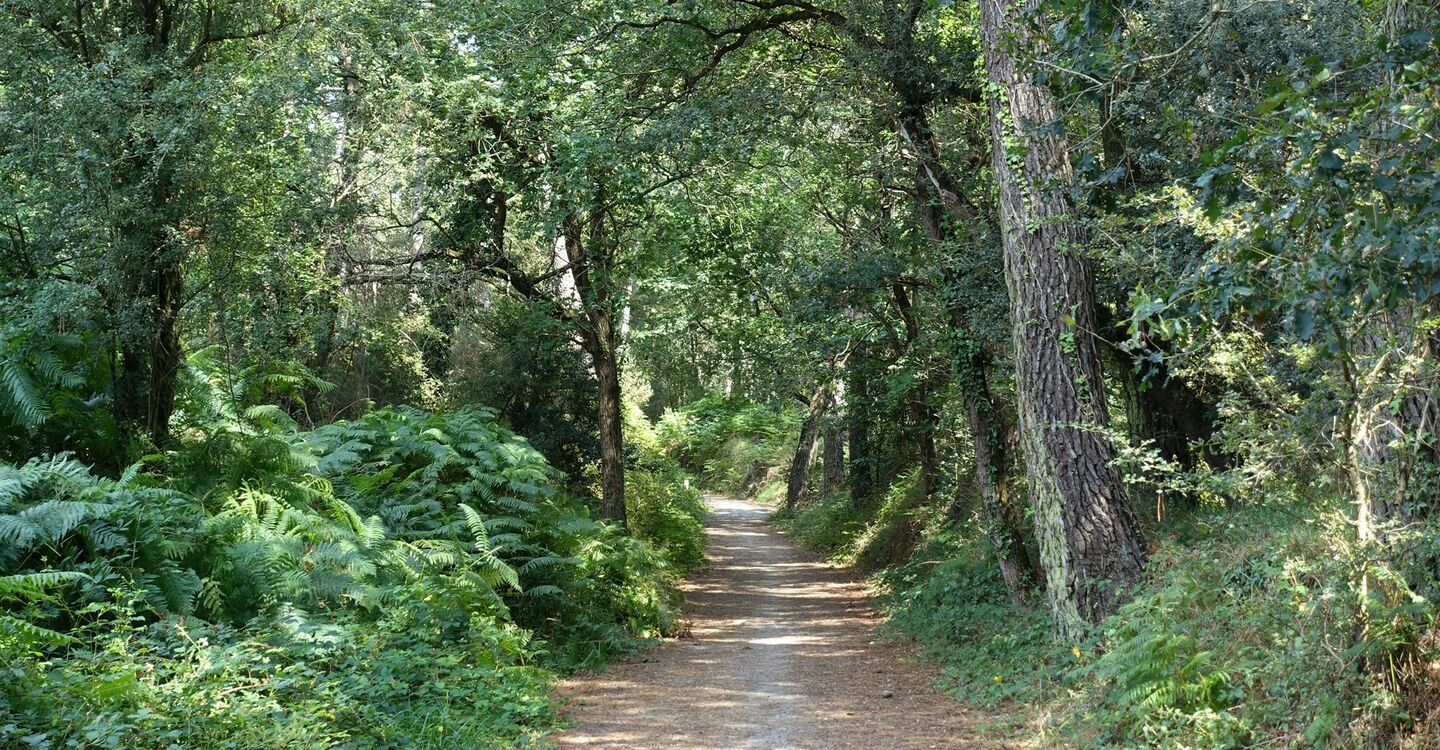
column 781, row 655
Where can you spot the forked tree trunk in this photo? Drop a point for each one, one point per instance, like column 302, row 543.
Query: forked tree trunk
column 1089, row 544
column 819, row 403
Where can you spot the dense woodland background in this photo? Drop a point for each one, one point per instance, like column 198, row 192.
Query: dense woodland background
column 358, row 357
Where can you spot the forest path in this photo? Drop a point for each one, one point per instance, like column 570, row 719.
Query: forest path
column 781, row 655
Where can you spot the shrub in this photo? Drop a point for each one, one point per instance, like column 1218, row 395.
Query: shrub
column 663, row 511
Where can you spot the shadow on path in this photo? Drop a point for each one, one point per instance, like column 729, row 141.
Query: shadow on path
column 782, row 655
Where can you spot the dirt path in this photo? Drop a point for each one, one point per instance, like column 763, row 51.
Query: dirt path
column 782, row 655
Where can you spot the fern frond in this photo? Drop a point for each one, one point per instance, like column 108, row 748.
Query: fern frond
column 29, row 409
column 30, row 634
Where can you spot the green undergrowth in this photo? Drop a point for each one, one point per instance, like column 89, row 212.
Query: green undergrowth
column 870, row 535
column 1244, row 635
column 733, row 446
column 404, row 579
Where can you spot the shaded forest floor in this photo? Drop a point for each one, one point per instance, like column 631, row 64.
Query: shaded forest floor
column 781, row 654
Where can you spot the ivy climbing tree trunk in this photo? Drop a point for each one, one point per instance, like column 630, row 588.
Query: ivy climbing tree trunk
column 1089, row 544
column 990, row 475
column 818, row 404
column 941, row 207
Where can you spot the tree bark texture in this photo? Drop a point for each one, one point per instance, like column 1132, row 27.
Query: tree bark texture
column 1089, row 543
column 941, row 208
column 819, row 403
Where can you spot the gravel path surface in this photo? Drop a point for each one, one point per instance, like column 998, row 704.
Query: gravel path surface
column 781, row 655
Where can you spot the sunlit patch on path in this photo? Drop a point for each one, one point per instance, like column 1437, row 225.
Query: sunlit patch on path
column 782, row 655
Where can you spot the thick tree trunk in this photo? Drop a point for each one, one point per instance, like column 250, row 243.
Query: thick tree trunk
column 1089, row 543
column 805, row 448
column 1389, row 432
column 1167, row 412
column 1163, row 410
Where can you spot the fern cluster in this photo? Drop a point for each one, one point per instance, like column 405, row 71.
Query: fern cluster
column 367, row 558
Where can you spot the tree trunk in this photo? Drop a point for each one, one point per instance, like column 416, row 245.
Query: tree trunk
column 834, row 461
column 612, row 440
column 1162, row 409
column 990, row 459
column 145, row 302
column 941, row 207
column 805, row 448
column 857, row 417
column 1089, row 543
column 150, row 357
column 591, row 271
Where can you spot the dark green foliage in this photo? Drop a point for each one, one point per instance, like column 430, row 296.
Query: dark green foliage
column 52, row 383
column 226, row 225
column 516, row 359
column 402, row 580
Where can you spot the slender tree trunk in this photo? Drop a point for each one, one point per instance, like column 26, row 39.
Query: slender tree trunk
column 612, row 440
column 927, row 419
column 1089, row 543
column 819, row 403
column 924, row 417
column 833, row 454
column 941, row 207
column 345, row 210
column 591, row 273
column 1009, row 543
column 857, row 417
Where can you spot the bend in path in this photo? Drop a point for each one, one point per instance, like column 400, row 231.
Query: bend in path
column 781, row 655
